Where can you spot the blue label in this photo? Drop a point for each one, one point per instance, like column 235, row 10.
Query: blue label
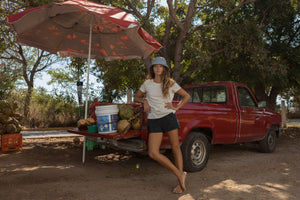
column 103, row 123
column 114, row 122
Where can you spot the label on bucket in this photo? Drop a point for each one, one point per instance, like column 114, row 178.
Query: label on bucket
column 114, row 120
column 103, row 122
column 107, row 118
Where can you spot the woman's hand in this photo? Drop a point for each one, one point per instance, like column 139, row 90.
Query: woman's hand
column 170, row 106
column 146, row 106
column 138, row 99
column 185, row 99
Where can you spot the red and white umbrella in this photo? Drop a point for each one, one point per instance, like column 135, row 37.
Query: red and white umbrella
column 84, row 29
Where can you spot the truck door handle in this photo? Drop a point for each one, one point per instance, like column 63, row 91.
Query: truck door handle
column 243, row 111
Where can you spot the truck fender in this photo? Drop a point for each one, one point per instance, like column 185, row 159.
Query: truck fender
column 194, row 125
column 274, row 127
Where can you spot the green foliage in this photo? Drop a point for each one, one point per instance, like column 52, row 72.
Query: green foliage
column 7, row 83
column 258, row 45
column 52, row 110
column 119, row 76
column 8, row 79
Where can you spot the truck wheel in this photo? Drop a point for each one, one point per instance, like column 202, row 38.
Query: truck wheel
column 195, row 152
column 268, row 144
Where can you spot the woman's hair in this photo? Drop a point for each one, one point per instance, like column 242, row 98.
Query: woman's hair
column 167, row 82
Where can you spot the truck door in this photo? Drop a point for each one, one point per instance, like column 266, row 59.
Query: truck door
column 251, row 127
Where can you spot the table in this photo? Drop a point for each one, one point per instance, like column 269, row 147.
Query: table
column 114, row 136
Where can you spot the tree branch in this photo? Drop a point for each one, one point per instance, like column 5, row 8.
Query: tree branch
column 225, row 16
column 172, row 12
column 189, row 16
column 18, row 3
column 134, row 10
column 150, row 5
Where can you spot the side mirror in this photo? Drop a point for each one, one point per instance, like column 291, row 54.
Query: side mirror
column 262, row 104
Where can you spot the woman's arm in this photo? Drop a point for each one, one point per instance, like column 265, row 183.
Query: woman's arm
column 138, row 99
column 186, row 98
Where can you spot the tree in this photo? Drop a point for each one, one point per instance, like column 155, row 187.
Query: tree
column 259, row 46
column 56, row 109
column 281, row 25
column 177, row 28
column 67, row 76
column 31, row 61
column 8, row 78
column 185, row 20
column 119, row 76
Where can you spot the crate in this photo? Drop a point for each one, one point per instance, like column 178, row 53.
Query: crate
column 11, row 142
column 92, row 129
column 91, row 145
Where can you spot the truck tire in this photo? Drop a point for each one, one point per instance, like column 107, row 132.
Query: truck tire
column 268, row 144
column 195, row 152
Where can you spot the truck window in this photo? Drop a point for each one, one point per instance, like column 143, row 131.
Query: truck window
column 192, row 92
column 179, row 98
column 206, row 94
column 245, row 97
column 196, row 95
column 214, row 94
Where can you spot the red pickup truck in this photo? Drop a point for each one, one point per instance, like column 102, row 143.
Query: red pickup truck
column 217, row 113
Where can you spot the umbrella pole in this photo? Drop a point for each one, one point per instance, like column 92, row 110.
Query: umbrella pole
column 87, row 90
column 88, row 74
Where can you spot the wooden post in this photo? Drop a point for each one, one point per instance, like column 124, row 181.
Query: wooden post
column 129, row 96
column 283, row 114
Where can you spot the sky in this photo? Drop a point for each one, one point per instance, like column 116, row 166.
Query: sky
column 44, row 78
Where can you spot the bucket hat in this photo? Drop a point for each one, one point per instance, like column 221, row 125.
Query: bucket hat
column 160, row 61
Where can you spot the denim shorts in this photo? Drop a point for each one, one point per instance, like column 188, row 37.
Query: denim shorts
column 164, row 124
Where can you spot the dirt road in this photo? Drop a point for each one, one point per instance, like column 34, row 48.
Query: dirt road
column 51, row 168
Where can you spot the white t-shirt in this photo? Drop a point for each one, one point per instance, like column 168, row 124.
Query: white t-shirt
column 156, row 99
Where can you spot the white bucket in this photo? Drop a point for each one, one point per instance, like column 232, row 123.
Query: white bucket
column 107, row 118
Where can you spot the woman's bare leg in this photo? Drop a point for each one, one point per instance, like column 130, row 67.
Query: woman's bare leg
column 153, row 146
column 174, row 140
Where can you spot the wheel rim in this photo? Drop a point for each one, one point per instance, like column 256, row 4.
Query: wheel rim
column 271, row 140
column 198, row 152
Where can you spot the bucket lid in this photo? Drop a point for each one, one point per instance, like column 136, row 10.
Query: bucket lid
column 107, row 107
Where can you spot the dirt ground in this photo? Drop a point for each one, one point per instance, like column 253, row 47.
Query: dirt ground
column 51, row 168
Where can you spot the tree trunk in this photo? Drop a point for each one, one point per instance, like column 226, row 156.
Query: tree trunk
column 271, row 102
column 260, row 92
column 53, row 115
column 26, row 120
column 178, row 56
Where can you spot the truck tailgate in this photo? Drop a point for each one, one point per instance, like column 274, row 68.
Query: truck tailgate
column 115, row 136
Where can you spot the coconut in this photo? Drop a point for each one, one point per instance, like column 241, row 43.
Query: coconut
column 2, row 129
column 91, row 121
column 13, row 106
column 82, row 124
column 3, row 104
column 18, row 116
column 123, row 126
column 125, row 111
column 7, row 111
column 19, row 128
column 11, row 128
column 3, row 118
column 136, row 124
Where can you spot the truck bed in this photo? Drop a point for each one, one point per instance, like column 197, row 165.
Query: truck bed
column 115, row 136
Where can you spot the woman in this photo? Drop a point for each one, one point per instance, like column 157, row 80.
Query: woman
column 159, row 89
